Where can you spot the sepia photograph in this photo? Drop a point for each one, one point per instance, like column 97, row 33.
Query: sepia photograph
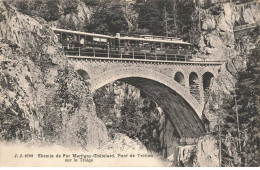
column 129, row 83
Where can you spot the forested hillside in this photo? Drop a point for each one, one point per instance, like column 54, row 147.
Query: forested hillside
column 158, row 17
column 44, row 99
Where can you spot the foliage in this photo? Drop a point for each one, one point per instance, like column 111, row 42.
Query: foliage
column 154, row 14
column 47, row 9
column 60, row 106
column 185, row 21
column 248, row 91
column 14, row 127
column 240, row 126
column 92, row 2
column 108, row 18
column 158, row 17
column 13, row 124
column 166, row 17
column 69, row 6
column 137, row 118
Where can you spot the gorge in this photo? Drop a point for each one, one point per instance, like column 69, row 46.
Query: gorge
column 45, row 101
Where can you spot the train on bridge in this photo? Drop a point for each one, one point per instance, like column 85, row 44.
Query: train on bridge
column 144, row 47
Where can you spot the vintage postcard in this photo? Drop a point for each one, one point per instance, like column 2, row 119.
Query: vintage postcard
column 147, row 83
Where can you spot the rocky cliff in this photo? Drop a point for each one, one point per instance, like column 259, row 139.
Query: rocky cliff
column 42, row 97
column 219, row 40
column 73, row 19
column 218, row 27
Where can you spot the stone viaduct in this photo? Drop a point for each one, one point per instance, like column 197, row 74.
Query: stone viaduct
column 180, row 88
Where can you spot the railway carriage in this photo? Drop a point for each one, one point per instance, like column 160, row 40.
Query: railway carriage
column 145, row 47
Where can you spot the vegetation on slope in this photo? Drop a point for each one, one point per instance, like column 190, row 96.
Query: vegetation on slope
column 239, row 120
column 158, row 17
column 135, row 117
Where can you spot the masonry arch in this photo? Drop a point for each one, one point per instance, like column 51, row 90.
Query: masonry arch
column 83, row 74
column 179, row 105
column 179, row 77
column 207, row 78
column 194, row 85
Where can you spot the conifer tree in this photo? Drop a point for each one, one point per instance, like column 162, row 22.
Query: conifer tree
column 240, row 121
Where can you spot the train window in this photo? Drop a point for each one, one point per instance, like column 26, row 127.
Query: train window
column 132, row 43
column 96, row 39
column 122, row 42
column 103, row 40
column 64, row 36
column 182, row 47
column 162, row 45
column 167, row 45
column 157, row 45
column 89, row 38
column 140, row 43
column 116, row 42
column 175, row 46
column 81, row 37
column 146, row 44
column 82, row 40
column 58, row 35
column 75, row 38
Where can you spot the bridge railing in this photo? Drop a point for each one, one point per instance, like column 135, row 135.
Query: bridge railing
column 119, row 54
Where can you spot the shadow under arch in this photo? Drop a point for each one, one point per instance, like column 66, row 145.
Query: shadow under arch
column 83, row 74
column 181, row 108
column 194, row 85
column 179, row 77
column 207, row 78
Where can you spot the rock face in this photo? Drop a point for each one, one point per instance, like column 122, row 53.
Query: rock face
column 124, row 109
column 207, row 153
column 76, row 19
column 42, row 97
column 122, row 144
column 204, row 154
column 219, row 40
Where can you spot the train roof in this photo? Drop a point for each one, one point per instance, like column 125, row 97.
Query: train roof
column 159, row 36
column 81, row 33
column 156, row 40
column 175, row 41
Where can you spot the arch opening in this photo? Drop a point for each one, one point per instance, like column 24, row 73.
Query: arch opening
column 83, row 74
column 194, row 85
column 180, row 112
column 179, row 77
column 207, row 78
column 182, row 120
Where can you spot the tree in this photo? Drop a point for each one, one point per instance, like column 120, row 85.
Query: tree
column 240, row 125
column 248, row 95
column 108, row 18
column 166, row 17
column 138, row 118
column 185, row 10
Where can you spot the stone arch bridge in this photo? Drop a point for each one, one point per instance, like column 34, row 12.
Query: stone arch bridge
column 178, row 87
